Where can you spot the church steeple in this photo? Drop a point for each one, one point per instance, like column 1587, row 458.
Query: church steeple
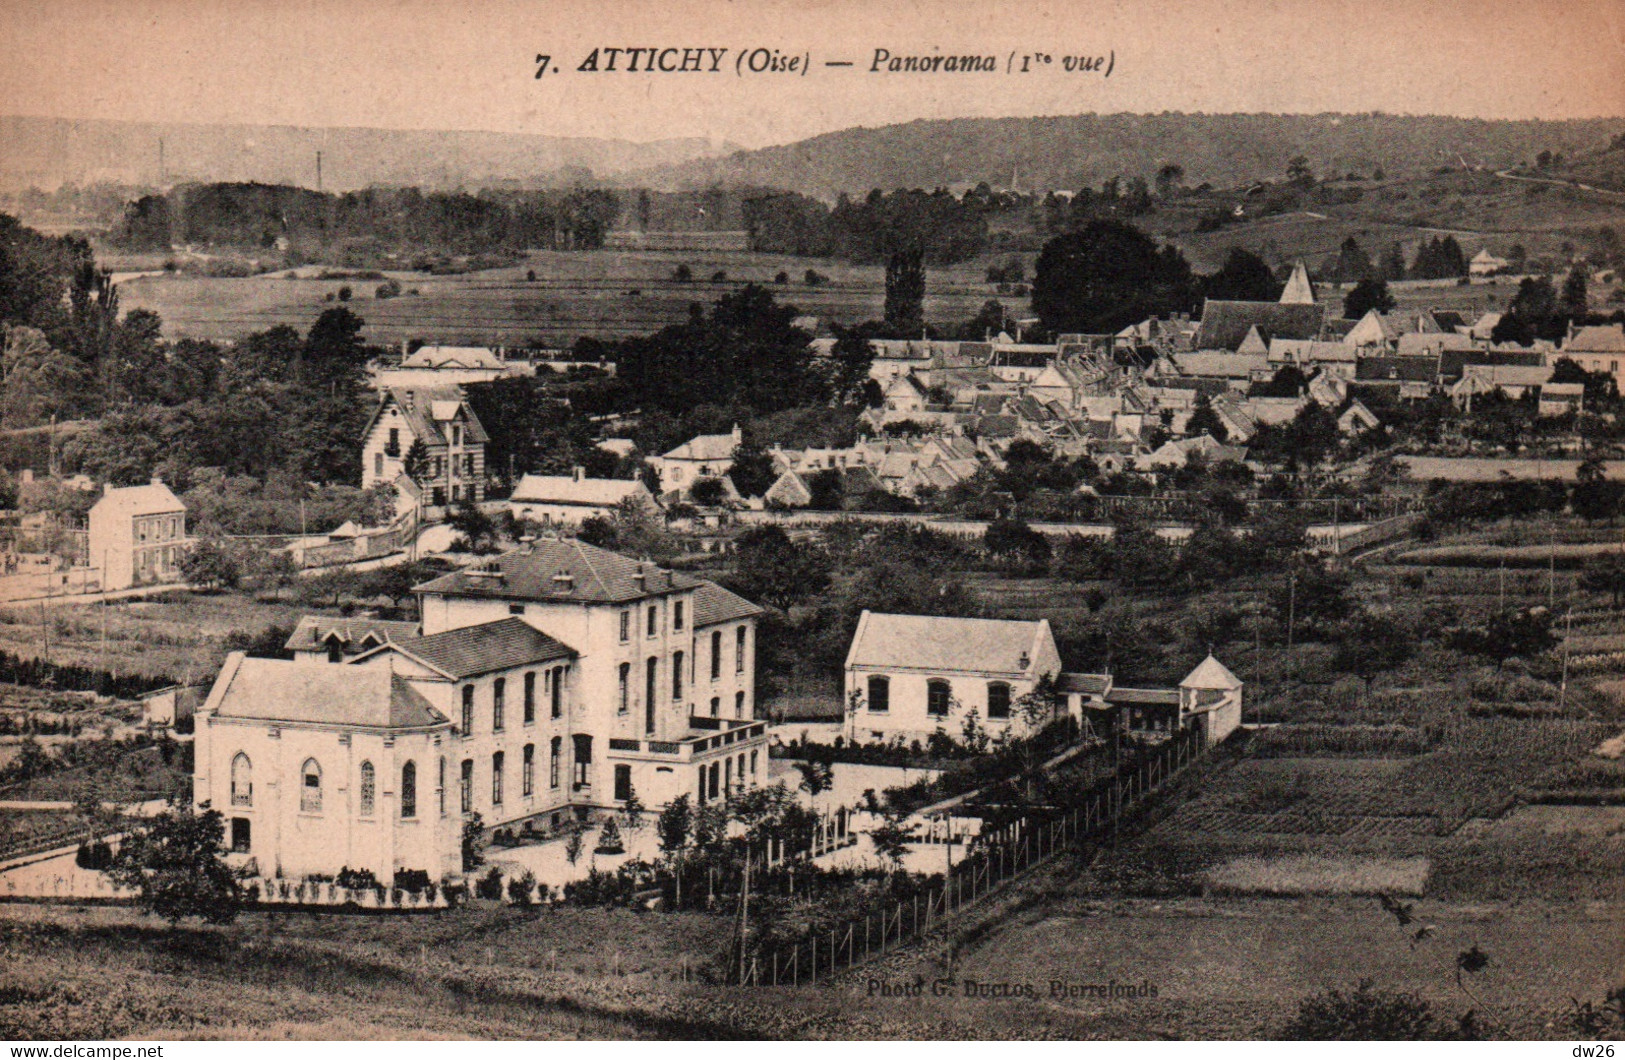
column 1299, row 291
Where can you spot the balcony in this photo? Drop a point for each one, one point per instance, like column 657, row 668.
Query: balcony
column 706, row 736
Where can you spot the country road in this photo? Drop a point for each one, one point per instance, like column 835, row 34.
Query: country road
column 1507, row 174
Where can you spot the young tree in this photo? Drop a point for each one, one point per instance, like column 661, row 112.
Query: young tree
column 891, row 840
column 573, row 843
column 478, row 531
column 210, row 565
column 415, row 466
column 1204, row 420
column 632, row 810
column 1372, row 645
column 815, row 776
column 177, row 868
column 473, row 842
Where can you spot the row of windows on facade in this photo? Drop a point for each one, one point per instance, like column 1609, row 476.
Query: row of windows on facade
column 552, row 688
column 393, row 446
column 163, row 528
column 721, row 780
column 553, row 683
column 310, row 779
column 651, row 628
column 436, row 468
column 939, row 697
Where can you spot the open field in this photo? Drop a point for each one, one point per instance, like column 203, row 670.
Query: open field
column 1237, row 967
column 604, row 294
column 477, row 973
column 177, row 635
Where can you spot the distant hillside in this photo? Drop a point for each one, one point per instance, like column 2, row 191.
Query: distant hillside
column 1070, row 152
column 45, row 152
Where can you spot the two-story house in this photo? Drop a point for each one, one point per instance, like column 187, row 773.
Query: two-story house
column 703, row 456
column 453, row 440
column 137, row 535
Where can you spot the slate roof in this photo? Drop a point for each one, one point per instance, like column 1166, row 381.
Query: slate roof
column 482, row 649
column 1164, row 696
column 1225, row 323
column 429, row 407
column 1089, row 684
column 933, row 643
column 713, row 604
column 595, row 575
column 1406, row 369
column 313, row 630
column 280, row 690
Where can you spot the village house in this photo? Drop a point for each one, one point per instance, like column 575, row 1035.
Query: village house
column 567, row 500
column 137, row 535
column 911, row 675
column 703, row 456
column 1486, row 264
column 1597, row 348
column 453, row 445
column 1512, row 380
column 429, row 367
column 555, row 680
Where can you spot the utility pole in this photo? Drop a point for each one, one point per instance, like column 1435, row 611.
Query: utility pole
column 1291, row 610
column 1563, row 685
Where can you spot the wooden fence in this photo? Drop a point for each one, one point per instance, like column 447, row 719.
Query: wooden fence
column 998, row 857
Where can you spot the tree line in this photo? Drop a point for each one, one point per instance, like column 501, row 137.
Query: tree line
column 258, row 215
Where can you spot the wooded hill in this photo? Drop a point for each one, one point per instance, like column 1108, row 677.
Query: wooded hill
column 1225, row 150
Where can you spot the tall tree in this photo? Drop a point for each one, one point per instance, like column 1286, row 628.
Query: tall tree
column 1107, row 276
column 905, row 292
column 1370, row 293
column 1244, row 277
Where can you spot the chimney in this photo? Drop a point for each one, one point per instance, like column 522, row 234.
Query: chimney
column 1026, row 660
column 639, row 577
column 527, row 544
column 410, row 400
column 157, row 480
column 563, row 581
column 737, row 435
column 578, row 473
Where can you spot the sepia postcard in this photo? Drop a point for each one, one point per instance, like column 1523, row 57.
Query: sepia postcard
column 811, row 519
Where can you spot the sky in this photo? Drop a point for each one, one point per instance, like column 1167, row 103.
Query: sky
column 470, row 64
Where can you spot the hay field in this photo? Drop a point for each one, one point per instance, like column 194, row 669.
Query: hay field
column 603, row 294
